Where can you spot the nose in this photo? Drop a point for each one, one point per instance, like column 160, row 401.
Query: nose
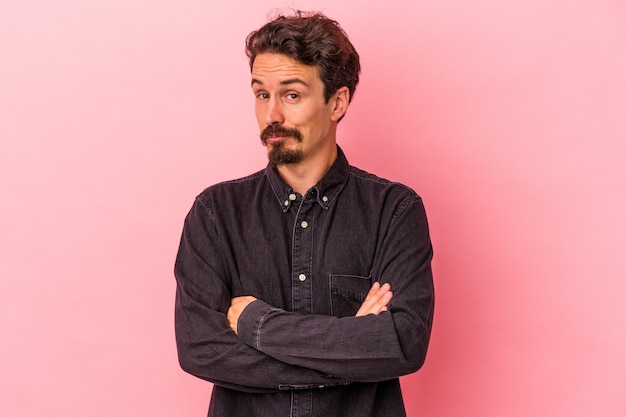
column 274, row 112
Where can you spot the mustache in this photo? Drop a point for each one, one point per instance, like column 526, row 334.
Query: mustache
column 276, row 129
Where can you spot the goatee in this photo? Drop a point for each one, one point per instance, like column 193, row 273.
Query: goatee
column 277, row 153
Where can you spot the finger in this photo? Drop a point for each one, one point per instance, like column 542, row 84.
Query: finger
column 231, row 316
column 387, row 297
column 373, row 290
column 237, row 305
column 381, row 304
column 373, row 296
column 377, row 298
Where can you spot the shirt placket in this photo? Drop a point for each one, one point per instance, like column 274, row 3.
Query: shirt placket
column 302, row 262
column 302, row 285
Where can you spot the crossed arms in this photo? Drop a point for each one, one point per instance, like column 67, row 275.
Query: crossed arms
column 246, row 344
column 376, row 302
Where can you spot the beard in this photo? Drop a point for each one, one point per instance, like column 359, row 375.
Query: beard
column 277, row 153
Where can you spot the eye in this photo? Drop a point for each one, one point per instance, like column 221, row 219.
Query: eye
column 293, row 96
column 262, row 95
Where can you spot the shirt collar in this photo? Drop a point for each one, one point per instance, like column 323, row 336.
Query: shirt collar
column 325, row 191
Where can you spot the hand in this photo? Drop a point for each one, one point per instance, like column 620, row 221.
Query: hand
column 237, row 305
column 376, row 300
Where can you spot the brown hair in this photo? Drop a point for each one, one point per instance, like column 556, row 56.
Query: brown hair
column 312, row 39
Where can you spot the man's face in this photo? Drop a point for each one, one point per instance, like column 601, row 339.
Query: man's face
column 295, row 121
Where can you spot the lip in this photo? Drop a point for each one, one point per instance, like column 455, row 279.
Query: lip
column 274, row 139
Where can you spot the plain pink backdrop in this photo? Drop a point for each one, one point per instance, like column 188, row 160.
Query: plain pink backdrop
column 508, row 117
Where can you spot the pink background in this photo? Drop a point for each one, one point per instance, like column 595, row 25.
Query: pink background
column 508, row 117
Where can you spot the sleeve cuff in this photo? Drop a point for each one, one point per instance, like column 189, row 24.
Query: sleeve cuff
column 251, row 320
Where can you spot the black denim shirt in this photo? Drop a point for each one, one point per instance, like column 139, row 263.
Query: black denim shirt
column 310, row 261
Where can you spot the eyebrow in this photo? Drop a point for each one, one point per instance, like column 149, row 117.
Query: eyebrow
column 284, row 82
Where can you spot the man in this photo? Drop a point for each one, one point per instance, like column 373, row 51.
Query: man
column 284, row 298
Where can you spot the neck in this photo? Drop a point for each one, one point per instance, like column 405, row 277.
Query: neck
column 304, row 175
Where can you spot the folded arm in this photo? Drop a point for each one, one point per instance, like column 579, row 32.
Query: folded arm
column 207, row 347
column 364, row 348
column 276, row 349
column 375, row 303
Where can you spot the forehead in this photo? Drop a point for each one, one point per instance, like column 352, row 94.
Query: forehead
column 268, row 67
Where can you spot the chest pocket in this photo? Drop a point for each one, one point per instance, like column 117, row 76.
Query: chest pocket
column 347, row 293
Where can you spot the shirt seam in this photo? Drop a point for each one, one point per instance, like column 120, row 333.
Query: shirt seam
column 257, row 333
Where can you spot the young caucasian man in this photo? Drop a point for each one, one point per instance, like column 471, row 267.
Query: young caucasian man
column 304, row 289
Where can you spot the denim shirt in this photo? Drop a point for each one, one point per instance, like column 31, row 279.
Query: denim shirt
column 310, row 260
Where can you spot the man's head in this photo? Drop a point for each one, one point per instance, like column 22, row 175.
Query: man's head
column 312, row 39
column 304, row 73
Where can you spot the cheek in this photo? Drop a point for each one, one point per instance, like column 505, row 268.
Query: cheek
column 320, row 123
column 302, row 118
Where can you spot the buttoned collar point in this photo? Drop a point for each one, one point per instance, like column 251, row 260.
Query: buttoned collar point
column 325, row 191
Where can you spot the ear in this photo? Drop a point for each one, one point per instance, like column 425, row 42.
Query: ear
column 340, row 101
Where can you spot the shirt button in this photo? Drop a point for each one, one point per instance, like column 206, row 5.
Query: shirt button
column 302, row 277
column 292, row 197
column 286, row 202
column 304, row 224
column 324, row 199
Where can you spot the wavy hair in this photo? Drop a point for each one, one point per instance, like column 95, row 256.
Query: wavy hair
column 312, row 39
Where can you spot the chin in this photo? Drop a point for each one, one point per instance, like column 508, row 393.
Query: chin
column 280, row 156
